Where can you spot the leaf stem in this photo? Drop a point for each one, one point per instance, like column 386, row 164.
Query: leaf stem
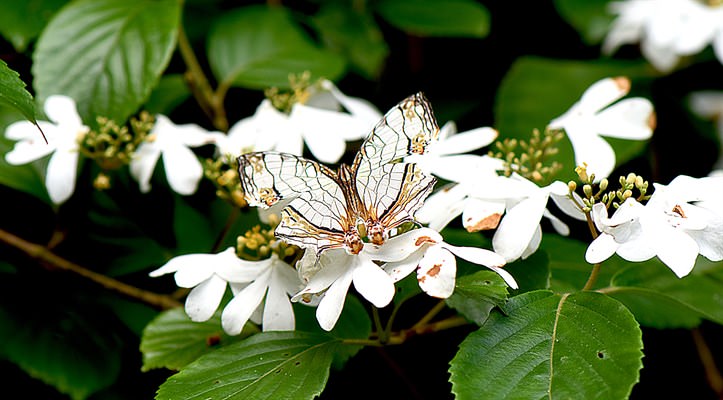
column 210, row 102
column 44, row 255
column 401, row 336
column 382, row 333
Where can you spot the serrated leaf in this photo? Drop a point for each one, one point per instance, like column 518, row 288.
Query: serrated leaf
column 589, row 17
column 258, row 47
column 14, row 95
column 659, row 299
column 172, row 340
column 269, row 365
column 22, row 21
column 573, row 346
column 460, row 18
column 537, row 90
column 353, row 34
column 106, row 54
column 475, row 295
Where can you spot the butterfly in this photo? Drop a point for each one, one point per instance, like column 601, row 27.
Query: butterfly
column 332, row 209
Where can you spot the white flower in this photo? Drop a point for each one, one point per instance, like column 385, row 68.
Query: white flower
column 256, row 285
column 666, row 29
column 332, row 273
column 182, row 167
column 325, row 122
column 446, row 158
column 593, row 116
column 680, row 221
column 62, row 135
column 709, row 104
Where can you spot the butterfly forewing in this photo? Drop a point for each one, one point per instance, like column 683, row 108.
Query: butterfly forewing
column 268, row 177
column 318, row 219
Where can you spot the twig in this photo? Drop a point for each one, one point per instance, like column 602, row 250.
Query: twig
column 401, row 336
column 44, row 255
column 712, row 374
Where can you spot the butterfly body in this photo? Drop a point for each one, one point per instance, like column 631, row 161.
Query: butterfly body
column 332, row 209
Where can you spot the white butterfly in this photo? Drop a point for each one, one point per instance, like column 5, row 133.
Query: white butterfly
column 331, row 209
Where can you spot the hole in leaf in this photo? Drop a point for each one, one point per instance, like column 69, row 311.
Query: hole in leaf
column 600, row 355
column 487, row 282
column 297, row 363
column 278, row 371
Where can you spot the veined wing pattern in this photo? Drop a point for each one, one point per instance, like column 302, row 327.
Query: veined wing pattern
column 328, row 209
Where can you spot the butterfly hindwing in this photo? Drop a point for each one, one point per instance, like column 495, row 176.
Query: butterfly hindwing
column 317, row 219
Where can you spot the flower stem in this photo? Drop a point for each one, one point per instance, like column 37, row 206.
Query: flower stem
column 382, row 333
column 44, row 255
column 430, row 314
column 211, row 103
column 595, row 268
column 401, row 336
column 232, row 216
column 712, row 374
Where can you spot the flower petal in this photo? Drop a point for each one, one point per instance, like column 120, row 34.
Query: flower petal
column 601, row 248
column 602, row 93
column 204, row 299
column 437, row 272
column 465, row 142
column 183, row 170
column 26, row 151
column 190, row 135
column 61, row 175
column 400, row 247
column 591, row 149
column 479, row 215
column 143, row 163
column 373, row 283
column 629, row 119
column 486, row 258
column 331, row 305
column 278, row 312
column 676, row 250
column 238, row 311
column 518, row 226
column 62, row 110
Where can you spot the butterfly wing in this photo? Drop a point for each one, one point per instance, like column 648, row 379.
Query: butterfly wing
column 269, row 177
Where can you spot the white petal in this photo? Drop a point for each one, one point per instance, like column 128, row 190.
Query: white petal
column 437, row 272
column 568, row 206
column 707, row 103
column 278, row 313
column 243, row 304
column 484, row 257
column 62, row 111
column 460, row 168
column 591, row 149
column 373, row 283
column 629, row 119
column 361, row 109
column 441, row 202
column 399, row 270
column 330, row 307
column 560, row 227
column 191, row 269
column 718, row 45
column 320, row 129
column 518, row 226
column 601, row 249
column 183, row 170
column 27, row 151
column 400, row 247
column 143, row 163
column 190, row 135
column 61, row 175
column 334, row 264
column 465, row 142
column 204, row 299
column 233, row 269
column 481, row 215
column 677, row 250
column 603, row 92
column 663, row 59
column 534, row 243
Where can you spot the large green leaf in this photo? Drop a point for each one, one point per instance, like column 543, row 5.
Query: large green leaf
column 14, row 95
column 590, row 17
column 258, row 46
column 173, row 341
column 22, row 21
column 355, row 35
column 461, row 18
column 171, row 91
column 476, row 294
column 269, row 365
column 659, row 299
column 537, row 90
column 106, row 54
column 576, row 346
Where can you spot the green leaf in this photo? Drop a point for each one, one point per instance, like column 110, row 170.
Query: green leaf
column 589, row 17
column 355, row 35
column 14, row 95
column 173, row 341
column 568, row 268
column 533, row 272
column 106, row 54
column 477, row 294
column 660, row 299
column 460, row 18
column 269, row 365
column 537, row 90
column 257, row 47
column 574, row 346
column 171, row 91
column 22, row 21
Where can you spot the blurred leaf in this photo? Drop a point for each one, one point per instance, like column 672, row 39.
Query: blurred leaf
column 171, row 91
column 461, row 18
column 22, row 21
column 533, row 272
column 192, row 229
column 537, row 90
column 24, row 178
column 133, row 314
column 477, row 294
column 568, row 268
column 660, row 299
column 257, row 47
column 173, row 341
column 59, row 345
column 106, row 54
column 589, row 17
column 14, row 95
column 269, row 365
column 355, row 35
column 354, row 323
column 577, row 346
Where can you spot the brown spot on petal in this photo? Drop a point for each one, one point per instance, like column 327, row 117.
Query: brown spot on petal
column 424, row 239
column 679, row 210
column 487, row 223
column 623, row 83
column 652, row 120
column 421, row 279
column 434, row 271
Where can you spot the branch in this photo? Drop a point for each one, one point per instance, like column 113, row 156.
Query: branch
column 401, row 336
column 44, row 255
